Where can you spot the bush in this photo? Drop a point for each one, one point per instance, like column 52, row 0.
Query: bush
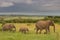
column 20, row 21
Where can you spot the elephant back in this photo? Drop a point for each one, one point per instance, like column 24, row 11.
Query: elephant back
column 7, row 26
column 41, row 23
column 44, row 23
column 23, row 29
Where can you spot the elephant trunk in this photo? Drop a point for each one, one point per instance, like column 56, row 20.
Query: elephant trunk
column 14, row 28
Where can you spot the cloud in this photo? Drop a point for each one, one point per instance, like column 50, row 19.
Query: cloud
column 18, row 1
column 51, row 6
column 45, row 5
column 6, row 4
column 40, row 5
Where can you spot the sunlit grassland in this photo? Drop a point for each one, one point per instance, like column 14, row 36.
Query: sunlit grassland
column 20, row 36
column 31, row 35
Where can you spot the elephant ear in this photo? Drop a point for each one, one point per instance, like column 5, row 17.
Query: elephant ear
column 50, row 22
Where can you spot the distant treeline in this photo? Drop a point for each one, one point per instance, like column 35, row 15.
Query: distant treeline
column 56, row 19
column 20, row 21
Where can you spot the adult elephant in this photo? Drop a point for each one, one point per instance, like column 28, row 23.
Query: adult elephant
column 8, row 27
column 44, row 24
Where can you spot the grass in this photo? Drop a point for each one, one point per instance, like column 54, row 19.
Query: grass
column 20, row 36
column 31, row 35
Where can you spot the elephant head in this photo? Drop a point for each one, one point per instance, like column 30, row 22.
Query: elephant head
column 51, row 23
column 13, row 27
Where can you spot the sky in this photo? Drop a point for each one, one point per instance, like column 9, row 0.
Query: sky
column 29, row 5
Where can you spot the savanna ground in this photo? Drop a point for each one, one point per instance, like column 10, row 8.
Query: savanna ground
column 31, row 35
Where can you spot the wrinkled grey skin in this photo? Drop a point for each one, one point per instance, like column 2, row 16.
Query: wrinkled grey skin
column 23, row 30
column 40, row 25
column 8, row 27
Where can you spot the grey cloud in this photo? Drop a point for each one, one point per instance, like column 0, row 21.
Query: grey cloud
column 34, row 5
column 49, row 5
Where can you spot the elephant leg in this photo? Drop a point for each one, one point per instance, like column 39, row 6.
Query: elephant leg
column 48, row 29
column 45, row 32
column 37, row 31
column 13, row 30
column 24, row 32
column 40, row 31
column 10, row 30
column 3, row 30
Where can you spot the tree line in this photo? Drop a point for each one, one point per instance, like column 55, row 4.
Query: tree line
column 56, row 19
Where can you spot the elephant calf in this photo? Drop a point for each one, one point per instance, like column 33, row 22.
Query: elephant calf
column 23, row 30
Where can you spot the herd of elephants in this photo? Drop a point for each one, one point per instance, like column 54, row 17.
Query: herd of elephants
column 39, row 26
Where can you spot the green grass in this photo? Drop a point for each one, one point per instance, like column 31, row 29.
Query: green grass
column 32, row 36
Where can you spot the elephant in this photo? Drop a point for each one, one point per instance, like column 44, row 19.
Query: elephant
column 23, row 30
column 44, row 24
column 8, row 27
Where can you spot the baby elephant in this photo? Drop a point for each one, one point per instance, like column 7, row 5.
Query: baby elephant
column 23, row 30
